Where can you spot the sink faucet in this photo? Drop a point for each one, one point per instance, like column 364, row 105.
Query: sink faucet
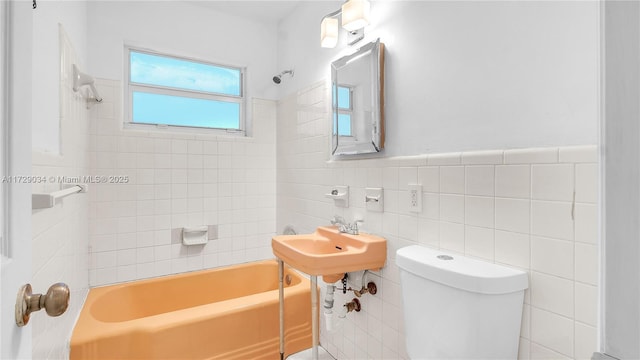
column 338, row 220
column 345, row 227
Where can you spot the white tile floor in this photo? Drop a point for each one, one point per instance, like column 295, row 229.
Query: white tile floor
column 306, row 355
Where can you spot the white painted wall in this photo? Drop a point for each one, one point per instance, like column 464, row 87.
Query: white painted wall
column 469, row 75
column 185, row 29
column 46, row 92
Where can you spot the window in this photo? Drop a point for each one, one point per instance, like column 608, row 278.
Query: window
column 345, row 108
column 168, row 91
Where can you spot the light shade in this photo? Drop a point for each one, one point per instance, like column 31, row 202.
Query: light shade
column 329, row 32
column 355, row 14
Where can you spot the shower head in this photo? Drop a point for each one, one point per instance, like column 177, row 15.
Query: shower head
column 278, row 78
column 81, row 79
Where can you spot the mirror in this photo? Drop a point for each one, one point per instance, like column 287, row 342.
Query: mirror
column 357, row 91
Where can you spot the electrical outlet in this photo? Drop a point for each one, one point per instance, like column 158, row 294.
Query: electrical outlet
column 415, row 198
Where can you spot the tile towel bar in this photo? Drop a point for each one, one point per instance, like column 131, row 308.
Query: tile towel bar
column 44, row 201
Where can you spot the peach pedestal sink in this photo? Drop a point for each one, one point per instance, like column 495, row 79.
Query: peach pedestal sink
column 329, row 253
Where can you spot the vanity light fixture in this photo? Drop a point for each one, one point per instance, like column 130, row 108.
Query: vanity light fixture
column 329, row 32
column 355, row 16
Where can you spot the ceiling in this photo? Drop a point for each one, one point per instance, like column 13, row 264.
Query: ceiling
column 262, row 10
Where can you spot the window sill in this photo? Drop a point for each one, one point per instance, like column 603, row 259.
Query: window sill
column 169, row 130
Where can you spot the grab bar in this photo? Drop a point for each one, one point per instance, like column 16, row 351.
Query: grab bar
column 45, row 201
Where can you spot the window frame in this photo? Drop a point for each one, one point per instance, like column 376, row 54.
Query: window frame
column 131, row 87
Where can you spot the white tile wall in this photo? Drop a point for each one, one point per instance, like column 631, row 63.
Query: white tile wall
column 60, row 234
column 514, row 207
column 513, row 181
column 177, row 180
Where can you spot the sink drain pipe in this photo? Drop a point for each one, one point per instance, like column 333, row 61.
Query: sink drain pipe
column 328, row 307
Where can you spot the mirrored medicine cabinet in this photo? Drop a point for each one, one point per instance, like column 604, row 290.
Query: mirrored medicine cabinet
column 357, row 91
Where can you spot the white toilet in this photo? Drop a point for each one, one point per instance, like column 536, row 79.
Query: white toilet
column 459, row 308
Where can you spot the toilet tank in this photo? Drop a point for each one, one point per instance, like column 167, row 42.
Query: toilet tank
column 459, row 308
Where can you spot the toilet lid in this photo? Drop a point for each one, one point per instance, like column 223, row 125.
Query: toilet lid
column 461, row 272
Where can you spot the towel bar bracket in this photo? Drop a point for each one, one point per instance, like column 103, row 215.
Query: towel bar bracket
column 45, row 201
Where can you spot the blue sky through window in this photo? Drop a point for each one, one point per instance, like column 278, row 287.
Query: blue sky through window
column 344, row 97
column 344, row 118
column 162, row 92
column 344, row 124
column 184, row 74
column 184, row 111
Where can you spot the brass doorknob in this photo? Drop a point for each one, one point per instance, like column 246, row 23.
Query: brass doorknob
column 55, row 302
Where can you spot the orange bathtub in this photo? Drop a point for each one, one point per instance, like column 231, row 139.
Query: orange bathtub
column 227, row 313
